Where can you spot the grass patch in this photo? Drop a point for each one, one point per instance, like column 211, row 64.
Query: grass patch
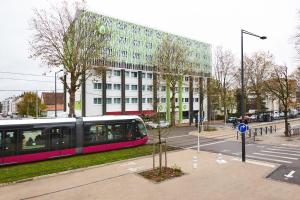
column 29, row 170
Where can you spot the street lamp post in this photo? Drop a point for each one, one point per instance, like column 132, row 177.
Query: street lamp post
column 242, row 84
column 55, row 106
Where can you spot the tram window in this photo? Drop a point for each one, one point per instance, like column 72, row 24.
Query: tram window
column 115, row 132
column 141, row 129
column 33, row 140
column 94, row 134
column 129, row 131
column 10, row 142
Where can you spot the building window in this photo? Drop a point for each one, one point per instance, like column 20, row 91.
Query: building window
column 134, row 87
column 186, row 78
column 122, row 40
column 176, row 89
column 126, row 87
column 97, row 86
column 136, row 55
column 149, row 45
column 163, row 100
column 121, row 25
column 196, row 99
column 149, row 87
column 117, row 73
column 117, row 100
column 134, row 74
column 196, row 90
column 127, row 100
column 136, row 29
column 148, row 57
column 163, row 88
column 143, row 100
column 97, row 101
column 136, row 43
column 108, row 86
column 143, row 87
column 149, row 76
column 117, row 86
column 176, row 100
column 108, row 100
column 143, row 75
column 186, row 100
column 134, row 100
column 148, row 32
column 123, row 54
column 186, row 89
column 126, row 74
column 149, row 100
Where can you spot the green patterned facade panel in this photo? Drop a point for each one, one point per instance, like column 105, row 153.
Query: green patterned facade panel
column 136, row 44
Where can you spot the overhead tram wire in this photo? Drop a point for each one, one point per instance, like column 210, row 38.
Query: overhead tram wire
column 20, row 79
column 26, row 74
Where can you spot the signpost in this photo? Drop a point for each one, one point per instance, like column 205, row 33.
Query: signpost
column 242, row 129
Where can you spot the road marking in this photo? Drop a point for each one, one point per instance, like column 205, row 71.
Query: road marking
column 260, row 146
column 270, row 159
column 290, row 154
column 203, row 145
column 292, row 145
column 178, row 136
column 287, row 148
column 263, row 154
column 255, row 162
column 236, row 154
column 274, row 149
column 225, row 150
column 289, row 175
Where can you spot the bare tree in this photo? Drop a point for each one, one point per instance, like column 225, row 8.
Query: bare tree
column 224, row 64
column 258, row 70
column 170, row 62
column 280, row 85
column 297, row 37
column 72, row 38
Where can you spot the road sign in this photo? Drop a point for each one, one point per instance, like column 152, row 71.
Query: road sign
column 242, row 127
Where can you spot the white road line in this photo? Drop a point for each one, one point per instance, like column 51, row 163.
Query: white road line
column 203, row 145
column 284, row 150
column 292, row 145
column 270, row 159
column 178, row 136
column 287, row 148
column 290, row 154
column 263, row 154
column 255, row 162
column 260, row 146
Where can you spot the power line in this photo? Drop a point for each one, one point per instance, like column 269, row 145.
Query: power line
column 5, row 72
column 20, row 79
column 28, row 90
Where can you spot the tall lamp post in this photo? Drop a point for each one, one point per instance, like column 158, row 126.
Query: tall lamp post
column 55, row 106
column 242, row 80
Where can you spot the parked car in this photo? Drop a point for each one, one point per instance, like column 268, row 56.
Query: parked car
column 246, row 118
column 162, row 124
column 231, row 120
column 253, row 118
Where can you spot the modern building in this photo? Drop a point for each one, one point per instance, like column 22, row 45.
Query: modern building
column 9, row 106
column 127, row 86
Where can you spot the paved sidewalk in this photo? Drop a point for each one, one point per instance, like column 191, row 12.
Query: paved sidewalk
column 232, row 180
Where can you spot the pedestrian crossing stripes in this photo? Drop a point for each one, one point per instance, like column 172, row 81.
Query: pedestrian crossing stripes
column 263, row 154
column 284, row 150
column 291, row 154
column 269, row 159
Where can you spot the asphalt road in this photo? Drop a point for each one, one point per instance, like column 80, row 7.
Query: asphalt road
column 286, row 156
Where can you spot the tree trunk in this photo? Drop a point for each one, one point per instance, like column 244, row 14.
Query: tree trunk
column 71, row 102
column 173, row 106
column 286, row 126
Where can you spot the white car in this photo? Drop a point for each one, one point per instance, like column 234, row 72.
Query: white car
column 163, row 124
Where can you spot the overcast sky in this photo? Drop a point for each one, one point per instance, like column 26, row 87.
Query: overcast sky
column 214, row 21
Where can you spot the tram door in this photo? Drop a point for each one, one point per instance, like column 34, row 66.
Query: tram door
column 9, row 146
column 60, row 139
column 1, row 147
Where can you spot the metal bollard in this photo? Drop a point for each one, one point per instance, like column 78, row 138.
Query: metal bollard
column 255, row 131
column 271, row 129
column 237, row 135
column 261, row 130
column 250, row 133
column 266, row 130
column 275, row 128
